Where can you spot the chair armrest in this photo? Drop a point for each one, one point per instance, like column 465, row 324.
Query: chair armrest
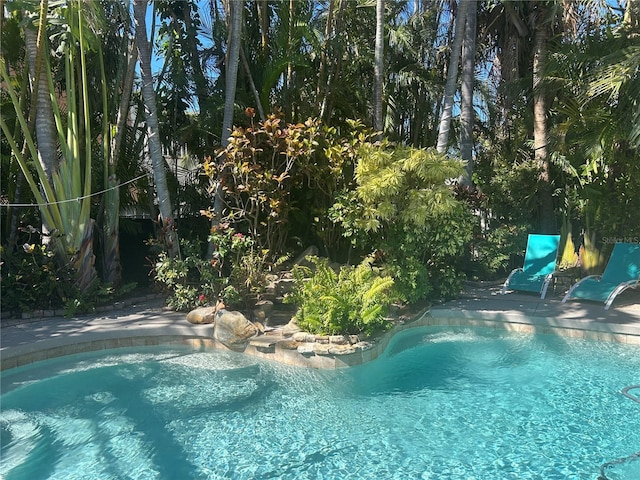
column 577, row 284
column 506, row 283
column 619, row 289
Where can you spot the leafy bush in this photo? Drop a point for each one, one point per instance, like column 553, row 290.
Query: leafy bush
column 258, row 170
column 191, row 280
column 353, row 300
column 403, row 208
column 31, row 280
column 499, row 251
column 234, row 275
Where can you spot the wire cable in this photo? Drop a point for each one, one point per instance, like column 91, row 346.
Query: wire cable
column 77, row 199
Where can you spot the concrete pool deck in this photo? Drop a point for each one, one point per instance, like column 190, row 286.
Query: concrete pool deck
column 149, row 323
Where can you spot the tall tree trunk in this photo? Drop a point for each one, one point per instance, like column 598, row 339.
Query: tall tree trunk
column 452, row 77
column 45, row 129
column 170, row 236
column 466, row 93
column 323, row 53
column 333, row 71
column 252, row 85
column 632, row 14
column 547, row 222
column 378, row 67
column 236, row 8
column 265, row 19
column 288, row 81
column 112, row 267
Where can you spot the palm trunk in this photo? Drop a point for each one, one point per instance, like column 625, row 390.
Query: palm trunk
column 288, row 81
column 378, row 67
column 84, row 259
column 332, row 71
column 466, row 93
column 45, row 128
column 170, row 237
column 631, row 17
column 452, row 77
column 323, row 53
column 547, row 222
column 112, row 267
column 252, row 85
column 236, row 8
column 231, row 76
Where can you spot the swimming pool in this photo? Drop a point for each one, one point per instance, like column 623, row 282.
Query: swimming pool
column 441, row 403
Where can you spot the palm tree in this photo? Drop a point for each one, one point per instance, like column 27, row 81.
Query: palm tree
column 540, row 130
column 167, row 220
column 62, row 190
column 466, row 92
column 234, row 16
column 45, row 128
column 378, row 67
column 236, row 8
column 452, row 77
column 109, row 213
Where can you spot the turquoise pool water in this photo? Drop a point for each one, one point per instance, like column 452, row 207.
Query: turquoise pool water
column 442, row 403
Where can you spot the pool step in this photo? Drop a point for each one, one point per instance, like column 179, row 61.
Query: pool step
column 265, row 343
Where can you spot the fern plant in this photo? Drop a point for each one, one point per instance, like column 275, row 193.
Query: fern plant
column 352, row 300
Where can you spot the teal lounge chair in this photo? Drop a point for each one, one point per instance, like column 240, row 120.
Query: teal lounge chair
column 622, row 272
column 539, row 266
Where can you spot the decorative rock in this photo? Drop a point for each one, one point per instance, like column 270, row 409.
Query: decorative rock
column 288, row 344
column 291, row 328
column 321, row 349
column 233, row 330
column 306, row 348
column 342, row 349
column 265, row 305
column 259, row 326
column 364, row 345
column 202, row 315
column 353, row 339
column 262, row 310
column 310, row 338
column 322, row 339
column 284, row 286
column 299, row 336
column 339, row 339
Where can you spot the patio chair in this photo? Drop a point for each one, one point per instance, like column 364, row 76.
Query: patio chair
column 539, row 266
column 622, row 272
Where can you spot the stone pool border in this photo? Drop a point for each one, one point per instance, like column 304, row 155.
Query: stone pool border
column 172, row 329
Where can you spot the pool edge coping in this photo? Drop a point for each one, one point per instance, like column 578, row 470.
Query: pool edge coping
column 201, row 337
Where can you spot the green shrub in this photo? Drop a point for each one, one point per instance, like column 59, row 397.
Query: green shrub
column 499, row 251
column 404, row 209
column 31, row 280
column 190, row 281
column 353, row 300
column 234, row 275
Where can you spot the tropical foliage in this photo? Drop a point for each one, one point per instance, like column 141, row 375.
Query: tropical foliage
column 336, row 123
column 354, row 299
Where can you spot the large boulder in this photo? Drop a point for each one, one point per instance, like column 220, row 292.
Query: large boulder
column 202, row 315
column 233, row 329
